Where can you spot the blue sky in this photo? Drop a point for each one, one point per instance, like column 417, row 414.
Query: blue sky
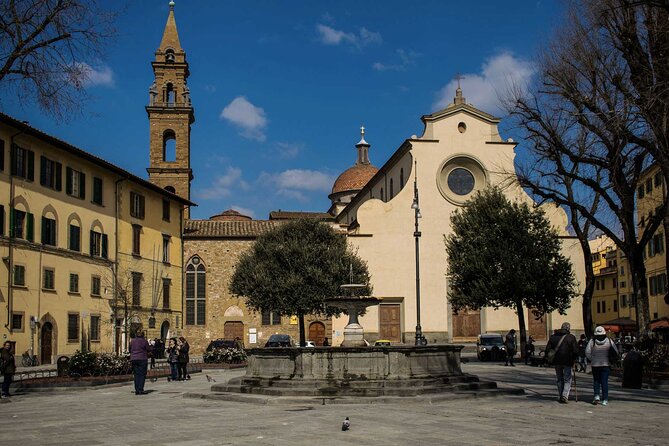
column 280, row 88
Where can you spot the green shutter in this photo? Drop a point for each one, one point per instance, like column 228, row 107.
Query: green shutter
column 42, row 170
column 30, row 227
column 44, row 233
column 31, row 165
column 2, row 154
column 11, row 222
column 92, row 243
column 104, row 246
column 82, row 185
column 68, row 181
column 59, row 176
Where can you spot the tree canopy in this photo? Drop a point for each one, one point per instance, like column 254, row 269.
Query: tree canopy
column 504, row 254
column 293, row 268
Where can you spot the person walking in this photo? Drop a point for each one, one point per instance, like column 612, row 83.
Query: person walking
column 510, row 344
column 152, row 353
column 582, row 361
column 173, row 359
column 139, row 358
column 183, row 359
column 529, row 350
column 598, row 352
column 7, row 367
column 566, row 352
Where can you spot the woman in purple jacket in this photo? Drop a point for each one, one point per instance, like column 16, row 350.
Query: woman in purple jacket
column 139, row 358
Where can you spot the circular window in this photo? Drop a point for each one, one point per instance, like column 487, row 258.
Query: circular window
column 460, row 177
column 461, row 181
column 462, row 127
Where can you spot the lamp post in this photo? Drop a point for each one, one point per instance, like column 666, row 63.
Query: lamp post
column 420, row 340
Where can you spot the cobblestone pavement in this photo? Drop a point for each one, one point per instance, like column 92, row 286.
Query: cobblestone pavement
column 115, row 416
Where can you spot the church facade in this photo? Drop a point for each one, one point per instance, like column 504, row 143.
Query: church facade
column 459, row 153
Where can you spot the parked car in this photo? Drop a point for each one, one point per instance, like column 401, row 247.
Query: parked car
column 280, row 340
column 490, row 347
column 221, row 343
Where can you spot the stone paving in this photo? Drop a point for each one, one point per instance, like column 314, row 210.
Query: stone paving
column 115, row 416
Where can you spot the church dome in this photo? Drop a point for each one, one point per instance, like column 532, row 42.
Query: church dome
column 354, row 178
column 230, row 215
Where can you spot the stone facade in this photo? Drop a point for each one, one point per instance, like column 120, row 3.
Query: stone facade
column 220, row 244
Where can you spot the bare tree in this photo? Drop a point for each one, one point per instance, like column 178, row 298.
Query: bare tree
column 584, row 119
column 46, row 47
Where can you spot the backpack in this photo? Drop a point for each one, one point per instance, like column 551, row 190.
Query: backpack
column 551, row 352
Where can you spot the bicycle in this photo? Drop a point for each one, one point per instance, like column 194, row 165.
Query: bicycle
column 29, row 361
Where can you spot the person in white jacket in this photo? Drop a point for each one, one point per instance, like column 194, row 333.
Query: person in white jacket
column 597, row 352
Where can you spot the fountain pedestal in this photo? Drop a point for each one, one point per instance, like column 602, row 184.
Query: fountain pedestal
column 354, row 335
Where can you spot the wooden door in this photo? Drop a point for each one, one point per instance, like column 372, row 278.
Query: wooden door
column 233, row 329
column 466, row 323
column 47, row 343
column 537, row 327
column 389, row 322
column 317, row 332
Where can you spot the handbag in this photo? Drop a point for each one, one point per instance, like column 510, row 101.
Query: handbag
column 613, row 354
column 551, row 352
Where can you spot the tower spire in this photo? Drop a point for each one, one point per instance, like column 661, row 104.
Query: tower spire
column 170, row 35
column 363, row 148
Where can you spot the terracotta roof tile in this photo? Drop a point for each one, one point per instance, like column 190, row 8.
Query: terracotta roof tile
column 294, row 215
column 354, row 178
column 227, row 229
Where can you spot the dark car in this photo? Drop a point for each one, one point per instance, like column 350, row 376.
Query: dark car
column 279, row 340
column 490, row 347
column 221, row 343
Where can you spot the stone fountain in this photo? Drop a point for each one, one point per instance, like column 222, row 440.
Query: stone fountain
column 354, row 307
column 353, row 369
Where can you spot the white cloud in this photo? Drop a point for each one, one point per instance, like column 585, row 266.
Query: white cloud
column 288, row 150
column 406, row 58
column 101, row 76
column 294, row 183
column 210, row 88
column 332, row 36
column 223, row 185
column 483, row 90
column 251, row 119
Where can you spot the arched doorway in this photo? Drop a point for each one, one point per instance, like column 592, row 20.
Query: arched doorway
column 47, row 343
column 317, row 332
column 233, row 329
column 164, row 330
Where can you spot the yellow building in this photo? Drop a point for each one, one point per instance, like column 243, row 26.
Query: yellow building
column 66, row 272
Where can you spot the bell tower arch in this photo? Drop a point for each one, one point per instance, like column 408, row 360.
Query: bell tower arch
column 171, row 115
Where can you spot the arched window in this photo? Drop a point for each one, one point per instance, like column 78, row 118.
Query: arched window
column 390, row 197
column 170, row 94
column 196, row 281
column 171, row 189
column 169, row 55
column 169, row 146
column 401, row 178
column 49, row 227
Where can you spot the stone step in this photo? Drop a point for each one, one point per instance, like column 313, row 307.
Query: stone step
column 370, row 391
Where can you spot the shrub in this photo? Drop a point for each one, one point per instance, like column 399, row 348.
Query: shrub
column 225, row 355
column 98, row 364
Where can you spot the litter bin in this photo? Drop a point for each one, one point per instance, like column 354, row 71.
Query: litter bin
column 632, row 370
column 63, row 365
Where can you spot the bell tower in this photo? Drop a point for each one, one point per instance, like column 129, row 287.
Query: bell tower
column 170, row 116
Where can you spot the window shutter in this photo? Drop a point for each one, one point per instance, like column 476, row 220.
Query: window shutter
column 44, row 233
column 141, row 206
column 104, row 245
column 2, row 219
column 82, row 185
column 2, row 154
column 68, row 181
column 11, row 222
column 31, row 165
column 12, row 159
column 92, row 243
column 30, row 227
column 42, row 170
column 59, row 177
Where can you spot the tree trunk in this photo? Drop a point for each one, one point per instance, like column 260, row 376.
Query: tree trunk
column 300, row 318
column 588, row 291
column 521, row 327
column 640, row 288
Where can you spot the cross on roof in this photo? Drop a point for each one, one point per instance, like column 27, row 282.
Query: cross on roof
column 458, row 77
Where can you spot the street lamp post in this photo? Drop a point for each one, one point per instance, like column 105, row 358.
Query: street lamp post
column 420, row 340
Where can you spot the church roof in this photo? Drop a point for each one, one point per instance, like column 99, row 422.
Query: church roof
column 207, row 229
column 354, row 178
column 294, row 215
column 170, row 35
column 230, row 215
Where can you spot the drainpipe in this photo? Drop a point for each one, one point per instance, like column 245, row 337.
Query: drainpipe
column 10, row 244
